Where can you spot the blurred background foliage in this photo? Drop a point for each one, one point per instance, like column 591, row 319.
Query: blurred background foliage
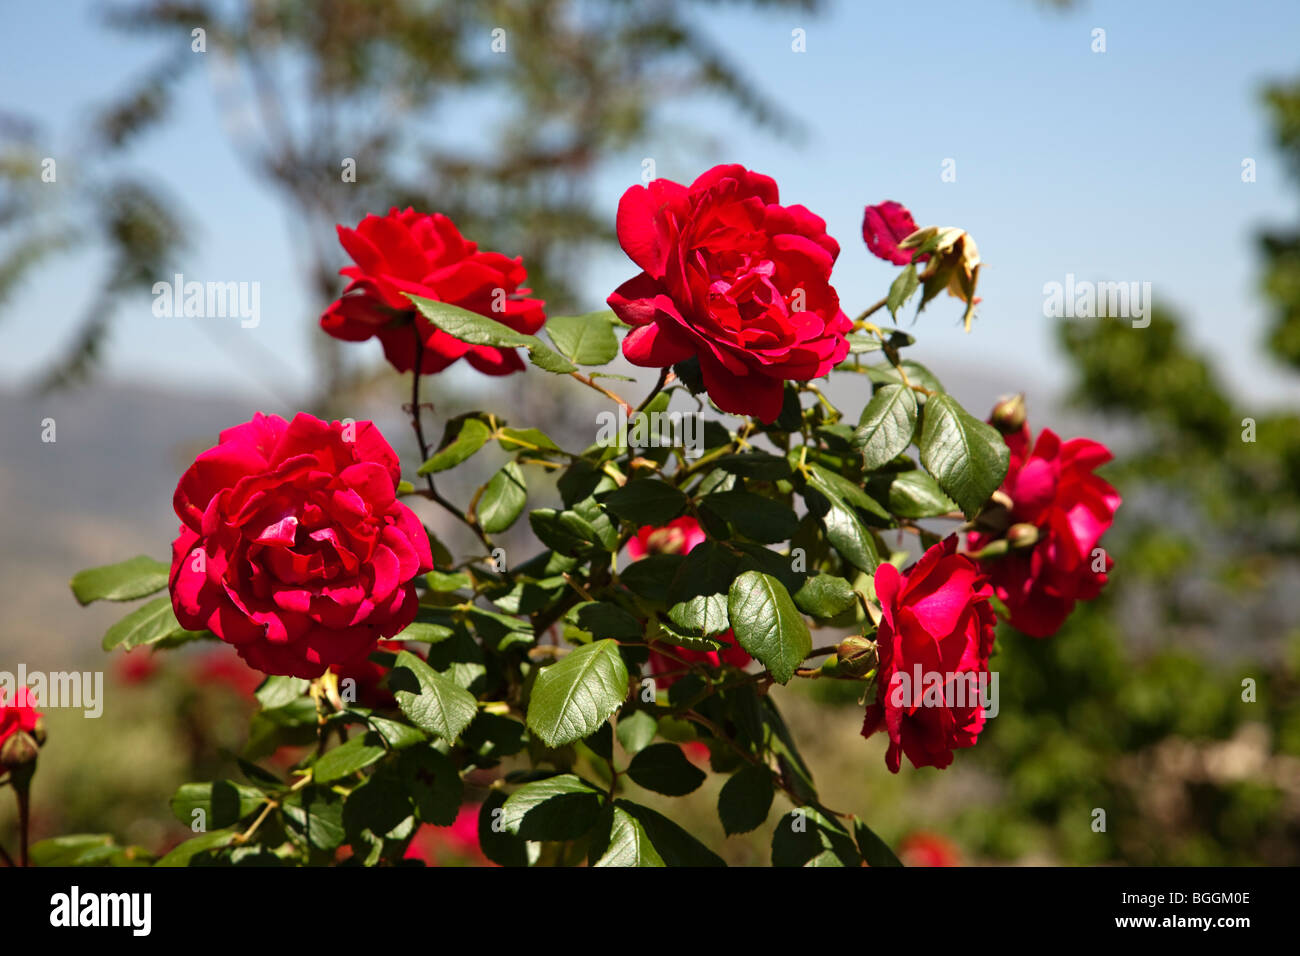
column 1142, row 706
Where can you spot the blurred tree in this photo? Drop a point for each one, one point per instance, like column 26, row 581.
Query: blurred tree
column 1173, row 702
column 495, row 113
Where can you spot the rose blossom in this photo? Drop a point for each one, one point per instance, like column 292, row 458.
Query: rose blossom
column 884, row 226
column 1053, row 490
column 733, row 278
column 425, row 255
column 936, row 621
column 294, row 548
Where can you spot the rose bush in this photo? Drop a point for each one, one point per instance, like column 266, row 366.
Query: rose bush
column 514, row 699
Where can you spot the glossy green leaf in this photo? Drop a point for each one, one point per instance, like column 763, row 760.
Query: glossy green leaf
column 767, row 624
column 967, row 457
column 664, row 769
column 887, row 425
column 503, row 499
column 574, row 696
column 432, row 702
column 134, row 578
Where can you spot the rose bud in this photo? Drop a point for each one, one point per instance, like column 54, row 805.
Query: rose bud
column 1009, row 414
column 1022, row 535
column 19, row 749
column 857, row 655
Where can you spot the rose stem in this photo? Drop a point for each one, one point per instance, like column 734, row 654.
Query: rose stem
column 424, row 445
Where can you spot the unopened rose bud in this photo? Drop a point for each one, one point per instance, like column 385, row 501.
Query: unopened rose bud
column 1022, row 535
column 857, row 655
column 1009, row 414
column 18, row 751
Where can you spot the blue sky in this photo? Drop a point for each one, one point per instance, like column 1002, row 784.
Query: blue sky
column 1122, row 165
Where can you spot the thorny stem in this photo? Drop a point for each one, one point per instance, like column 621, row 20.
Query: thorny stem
column 665, row 376
column 592, row 383
column 424, row 446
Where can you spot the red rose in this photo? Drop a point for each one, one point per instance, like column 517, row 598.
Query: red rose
column 928, row 849
column 934, row 642
column 294, row 547
column 884, row 227
column 457, row 844
column 427, row 256
column 1052, row 487
column 218, row 667
column 733, row 278
column 19, row 717
column 679, row 536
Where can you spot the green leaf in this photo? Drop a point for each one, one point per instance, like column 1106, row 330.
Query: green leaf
column 745, row 799
column 886, row 374
column 224, row 803
column 755, row 464
column 697, row 596
column 651, row 577
column 563, row 807
column 315, row 816
column 844, row 529
column 566, row 532
column 480, row 330
column 754, row 516
column 808, row 837
column 148, row 624
column 503, row 499
column 636, row 730
column 901, row 289
column 277, row 691
column 767, row 624
column 627, row 843
column 472, row 436
column 605, row 619
column 549, row 360
column 874, row 850
column 433, row 783
column 187, row 851
column 645, row 501
column 574, row 696
column 470, row 326
column 498, row 844
column 825, row 596
column 527, row 439
column 444, row 582
column 85, row 849
column 432, row 702
column 674, row 845
column 347, row 758
column 664, row 769
column 887, row 425
column 585, row 339
column 967, row 457
column 135, row 578
column 914, row 494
